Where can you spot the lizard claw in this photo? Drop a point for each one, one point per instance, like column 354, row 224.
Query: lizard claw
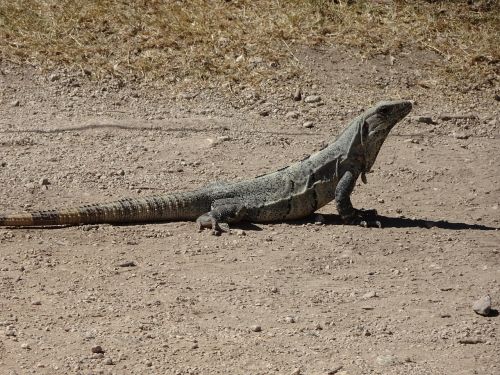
column 364, row 218
column 370, row 224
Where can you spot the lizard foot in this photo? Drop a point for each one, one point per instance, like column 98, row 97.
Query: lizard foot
column 364, row 218
column 208, row 221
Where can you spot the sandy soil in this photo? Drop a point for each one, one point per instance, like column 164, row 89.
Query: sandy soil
column 328, row 299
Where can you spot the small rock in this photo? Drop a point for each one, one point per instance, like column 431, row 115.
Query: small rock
column 54, row 77
column 297, row 94
column 97, row 349
column 387, row 360
column 256, row 328
column 121, row 172
column 296, row 372
column 336, row 370
column 425, row 120
column 149, row 363
column 370, row 294
column 460, row 135
column 471, row 341
column 312, row 99
column 308, row 124
column 36, row 302
column 108, row 361
column 44, row 181
column 289, row 319
column 130, row 263
column 15, row 103
column 292, row 114
column 482, row 306
column 25, row 346
column 274, row 290
column 10, row 332
column 264, row 112
column 240, row 232
column 223, row 138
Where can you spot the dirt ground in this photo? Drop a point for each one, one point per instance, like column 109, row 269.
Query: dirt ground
column 287, row 298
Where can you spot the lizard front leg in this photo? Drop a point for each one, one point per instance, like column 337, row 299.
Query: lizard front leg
column 348, row 213
column 221, row 215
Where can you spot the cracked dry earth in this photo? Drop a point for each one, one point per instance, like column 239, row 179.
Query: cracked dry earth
column 286, row 298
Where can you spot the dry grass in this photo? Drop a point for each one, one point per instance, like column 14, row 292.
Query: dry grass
column 240, row 40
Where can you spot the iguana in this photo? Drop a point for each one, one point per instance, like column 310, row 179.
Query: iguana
column 293, row 192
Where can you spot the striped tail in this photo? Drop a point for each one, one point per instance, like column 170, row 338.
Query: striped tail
column 181, row 206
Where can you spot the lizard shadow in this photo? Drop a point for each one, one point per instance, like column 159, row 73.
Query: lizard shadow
column 404, row 222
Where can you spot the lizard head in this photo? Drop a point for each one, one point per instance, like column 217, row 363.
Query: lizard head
column 376, row 124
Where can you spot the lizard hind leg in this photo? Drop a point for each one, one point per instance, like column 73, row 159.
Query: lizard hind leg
column 222, row 214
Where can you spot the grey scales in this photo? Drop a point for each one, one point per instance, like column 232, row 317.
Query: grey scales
column 290, row 193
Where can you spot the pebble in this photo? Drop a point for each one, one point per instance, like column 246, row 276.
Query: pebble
column 44, row 181
column 53, row 77
column 387, row 360
column 425, row 119
column 108, row 361
column 336, row 370
column 130, row 263
column 292, row 114
column 240, row 232
column 460, row 135
column 297, row 94
column 256, row 328
column 97, row 349
column 25, row 346
column 296, row 371
column 308, row 124
column 36, row 302
column 10, row 332
column 289, row 319
column 264, row 112
column 149, row 363
column 482, row 306
column 15, row 103
column 312, row 99
column 370, row 294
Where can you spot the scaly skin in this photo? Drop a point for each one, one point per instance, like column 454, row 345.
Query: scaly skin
column 290, row 193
